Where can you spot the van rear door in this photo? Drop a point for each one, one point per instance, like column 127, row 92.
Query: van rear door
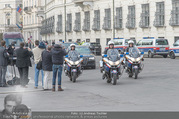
column 162, row 44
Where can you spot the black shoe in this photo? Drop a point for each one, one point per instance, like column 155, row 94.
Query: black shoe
column 103, row 77
column 47, row 89
column 101, row 69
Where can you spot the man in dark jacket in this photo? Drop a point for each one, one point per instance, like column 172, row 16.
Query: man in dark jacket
column 57, row 59
column 47, row 65
column 23, row 63
column 3, row 64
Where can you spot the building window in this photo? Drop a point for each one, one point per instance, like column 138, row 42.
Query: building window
column 69, row 40
column 161, row 37
column 79, row 40
column 8, row 22
column 86, row 26
column 107, row 19
column 48, row 26
column 107, row 40
column 174, row 21
column 87, row 40
column 145, row 16
column 118, row 18
column 77, row 26
column 69, row 23
column 96, row 20
column 97, row 40
column 20, row 5
column 59, row 24
column 160, row 14
column 131, row 18
column 176, row 38
column 32, row 19
column 7, row 5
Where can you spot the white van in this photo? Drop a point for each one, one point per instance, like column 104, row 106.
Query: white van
column 174, row 51
column 152, row 46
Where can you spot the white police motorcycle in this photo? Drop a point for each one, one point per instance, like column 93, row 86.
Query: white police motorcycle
column 112, row 68
column 73, row 68
column 133, row 62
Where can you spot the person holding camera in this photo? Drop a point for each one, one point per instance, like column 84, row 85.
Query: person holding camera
column 23, row 63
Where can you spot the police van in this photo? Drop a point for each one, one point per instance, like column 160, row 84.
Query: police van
column 174, row 51
column 151, row 46
column 120, row 44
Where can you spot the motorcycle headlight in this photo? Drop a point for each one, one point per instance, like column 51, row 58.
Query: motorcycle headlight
column 132, row 59
column 77, row 62
column 138, row 59
column 111, row 63
column 91, row 58
column 117, row 62
column 71, row 62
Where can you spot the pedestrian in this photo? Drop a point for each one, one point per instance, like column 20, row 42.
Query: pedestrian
column 53, row 43
column 37, row 52
column 23, row 63
column 3, row 64
column 47, row 66
column 58, row 54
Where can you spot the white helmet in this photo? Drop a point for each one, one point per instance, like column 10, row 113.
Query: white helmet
column 110, row 43
column 131, row 42
column 72, row 45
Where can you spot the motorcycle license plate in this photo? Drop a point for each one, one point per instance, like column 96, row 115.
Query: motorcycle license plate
column 74, row 70
column 135, row 67
column 114, row 71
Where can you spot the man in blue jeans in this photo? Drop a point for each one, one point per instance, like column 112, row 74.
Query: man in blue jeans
column 58, row 54
column 37, row 52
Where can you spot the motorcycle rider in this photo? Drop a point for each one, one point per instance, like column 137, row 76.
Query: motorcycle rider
column 111, row 53
column 73, row 55
column 130, row 47
column 111, row 46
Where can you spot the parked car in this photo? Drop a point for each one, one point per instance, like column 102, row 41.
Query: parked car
column 94, row 47
column 174, row 51
column 151, row 46
column 89, row 60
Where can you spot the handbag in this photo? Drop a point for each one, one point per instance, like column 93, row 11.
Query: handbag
column 39, row 65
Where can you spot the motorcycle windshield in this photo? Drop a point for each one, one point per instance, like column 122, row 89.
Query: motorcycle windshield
column 113, row 55
column 73, row 56
column 134, row 52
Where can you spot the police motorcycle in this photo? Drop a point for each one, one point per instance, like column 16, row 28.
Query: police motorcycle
column 112, row 67
column 73, row 67
column 133, row 63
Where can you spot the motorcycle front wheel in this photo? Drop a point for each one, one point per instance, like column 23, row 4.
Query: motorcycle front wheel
column 74, row 76
column 136, row 73
column 114, row 79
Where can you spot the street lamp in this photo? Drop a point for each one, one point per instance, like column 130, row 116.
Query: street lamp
column 65, row 19
column 113, row 19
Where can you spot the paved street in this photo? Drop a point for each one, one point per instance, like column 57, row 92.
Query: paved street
column 155, row 90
